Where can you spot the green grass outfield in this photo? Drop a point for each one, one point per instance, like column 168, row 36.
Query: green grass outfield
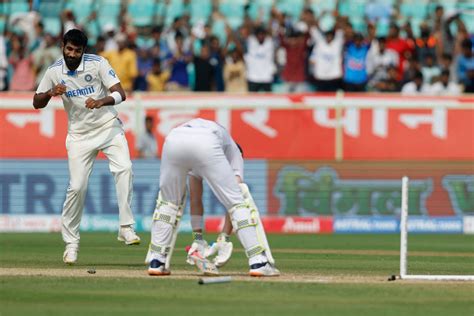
column 321, row 275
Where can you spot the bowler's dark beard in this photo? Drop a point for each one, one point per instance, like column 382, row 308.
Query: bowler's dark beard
column 71, row 62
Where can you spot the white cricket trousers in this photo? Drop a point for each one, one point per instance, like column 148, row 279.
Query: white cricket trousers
column 82, row 151
column 199, row 150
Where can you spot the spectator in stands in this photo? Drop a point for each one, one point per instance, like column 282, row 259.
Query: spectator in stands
column 326, row 57
column 203, row 69
column 444, row 86
column 124, row 61
column 26, row 23
column 68, row 21
column 99, row 46
column 416, row 86
column 109, row 35
column 425, row 44
column 294, row 70
column 399, row 45
column 390, row 83
column 469, row 82
column 217, row 56
column 156, row 78
column 355, row 69
column 3, row 64
column 147, row 144
column 159, row 42
column 379, row 59
column 178, row 62
column 411, row 67
column 23, row 77
column 430, row 70
column 144, row 65
column 178, row 27
column 465, row 61
column 446, row 63
column 437, row 18
column 234, row 73
column 45, row 56
column 39, row 38
column 259, row 61
column 448, row 39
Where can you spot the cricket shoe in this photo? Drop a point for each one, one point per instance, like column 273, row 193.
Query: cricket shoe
column 157, row 268
column 128, row 236
column 264, row 269
column 70, row 254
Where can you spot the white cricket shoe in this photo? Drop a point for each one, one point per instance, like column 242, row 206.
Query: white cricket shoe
column 157, row 268
column 70, row 254
column 128, row 236
column 223, row 249
column 263, row 270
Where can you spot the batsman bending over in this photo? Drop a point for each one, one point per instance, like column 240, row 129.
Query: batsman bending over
column 202, row 146
column 223, row 247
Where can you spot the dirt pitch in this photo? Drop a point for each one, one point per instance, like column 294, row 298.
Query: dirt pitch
column 82, row 272
column 73, row 272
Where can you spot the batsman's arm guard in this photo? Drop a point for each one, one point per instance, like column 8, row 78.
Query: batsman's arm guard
column 255, row 215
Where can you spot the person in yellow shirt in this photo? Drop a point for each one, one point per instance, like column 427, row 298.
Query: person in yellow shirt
column 234, row 73
column 124, row 61
column 156, row 78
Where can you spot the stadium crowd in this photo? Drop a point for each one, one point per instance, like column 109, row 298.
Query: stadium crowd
column 319, row 50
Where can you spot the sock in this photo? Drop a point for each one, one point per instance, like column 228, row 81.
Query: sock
column 224, row 237
column 197, row 236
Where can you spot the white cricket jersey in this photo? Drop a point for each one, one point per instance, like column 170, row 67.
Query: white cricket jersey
column 92, row 78
column 231, row 151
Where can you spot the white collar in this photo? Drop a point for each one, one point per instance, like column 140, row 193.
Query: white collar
column 81, row 67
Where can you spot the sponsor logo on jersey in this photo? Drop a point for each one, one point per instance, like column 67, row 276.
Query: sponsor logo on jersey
column 80, row 92
column 112, row 73
column 88, row 78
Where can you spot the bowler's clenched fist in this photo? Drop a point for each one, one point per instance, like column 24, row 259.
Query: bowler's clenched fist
column 93, row 104
column 58, row 89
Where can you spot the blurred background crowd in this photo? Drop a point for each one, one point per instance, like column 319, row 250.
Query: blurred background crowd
column 408, row 46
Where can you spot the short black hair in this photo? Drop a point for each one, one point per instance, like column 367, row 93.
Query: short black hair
column 260, row 30
column 358, row 36
column 157, row 29
column 447, row 56
column 418, row 75
column 179, row 35
column 76, row 37
column 149, row 118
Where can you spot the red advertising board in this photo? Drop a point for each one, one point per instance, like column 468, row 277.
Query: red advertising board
column 273, row 127
column 282, row 225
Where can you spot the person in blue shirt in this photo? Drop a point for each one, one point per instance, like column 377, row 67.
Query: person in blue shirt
column 355, row 68
column 465, row 61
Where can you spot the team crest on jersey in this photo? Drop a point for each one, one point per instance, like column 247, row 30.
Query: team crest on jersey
column 88, row 78
column 112, row 73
